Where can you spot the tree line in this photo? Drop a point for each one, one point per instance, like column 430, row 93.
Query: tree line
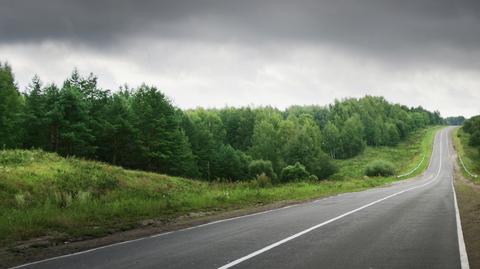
column 140, row 128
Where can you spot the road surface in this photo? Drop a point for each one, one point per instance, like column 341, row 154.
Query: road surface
column 411, row 224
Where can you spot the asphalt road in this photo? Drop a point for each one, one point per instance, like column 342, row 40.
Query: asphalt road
column 411, row 224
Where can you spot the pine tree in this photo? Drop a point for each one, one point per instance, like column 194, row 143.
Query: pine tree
column 34, row 119
column 163, row 146
column 11, row 108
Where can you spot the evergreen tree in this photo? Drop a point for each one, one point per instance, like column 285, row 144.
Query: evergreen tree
column 11, row 107
column 118, row 138
column 75, row 136
column 162, row 144
column 34, row 118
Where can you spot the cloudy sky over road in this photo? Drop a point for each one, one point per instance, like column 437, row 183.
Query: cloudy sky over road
column 217, row 53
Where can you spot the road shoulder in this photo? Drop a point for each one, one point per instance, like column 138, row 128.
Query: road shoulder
column 468, row 197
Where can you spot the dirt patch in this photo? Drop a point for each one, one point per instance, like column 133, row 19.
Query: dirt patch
column 468, row 196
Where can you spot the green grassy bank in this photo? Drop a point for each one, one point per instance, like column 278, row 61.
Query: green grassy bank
column 469, row 155
column 44, row 194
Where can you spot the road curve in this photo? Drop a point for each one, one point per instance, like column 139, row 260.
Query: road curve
column 410, row 224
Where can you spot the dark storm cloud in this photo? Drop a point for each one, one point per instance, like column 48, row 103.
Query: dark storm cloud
column 381, row 26
column 240, row 52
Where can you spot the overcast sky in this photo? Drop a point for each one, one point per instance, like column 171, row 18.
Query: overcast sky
column 254, row 52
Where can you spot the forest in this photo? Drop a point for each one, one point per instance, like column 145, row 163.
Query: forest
column 140, row 128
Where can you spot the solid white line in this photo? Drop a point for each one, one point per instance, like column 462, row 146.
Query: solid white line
column 461, row 242
column 464, row 167
column 414, row 169
column 283, row 241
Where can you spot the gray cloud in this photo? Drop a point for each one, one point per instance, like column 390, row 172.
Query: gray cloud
column 329, row 47
column 376, row 24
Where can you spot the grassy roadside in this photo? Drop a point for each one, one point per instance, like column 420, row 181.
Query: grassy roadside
column 406, row 156
column 468, row 198
column 470, row 155
column 42, row 194
column 468, row 194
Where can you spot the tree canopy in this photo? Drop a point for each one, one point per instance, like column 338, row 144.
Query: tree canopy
column 140, row 128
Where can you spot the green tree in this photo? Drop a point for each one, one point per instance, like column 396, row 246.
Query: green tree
column 266, row 144
column 392, row 134
column 118, row 138
column 206, row 134
column 11, row 107
column 351, row 137
column 162, row 144
column 331, row 140
column 259, row 167
column 34, row 118
column 231, row 164
column 239, row 124
column 53, row 117
column 305, row 147
column 75, row 136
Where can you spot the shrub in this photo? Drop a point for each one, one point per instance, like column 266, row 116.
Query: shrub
column 379, row 168
column 320, row 165
column 263, row 181
column 259, row 167
column 294, row 172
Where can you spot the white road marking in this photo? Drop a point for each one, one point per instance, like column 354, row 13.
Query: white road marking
column 414, row 169
column 283, row 241
column 461, row 243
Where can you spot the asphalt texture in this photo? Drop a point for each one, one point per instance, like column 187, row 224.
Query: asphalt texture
column 409, row 224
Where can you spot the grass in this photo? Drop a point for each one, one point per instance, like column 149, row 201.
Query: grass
column 469, row 207
column 406, row 156
column 42, row 194
column 468, row 194
column 470, row 155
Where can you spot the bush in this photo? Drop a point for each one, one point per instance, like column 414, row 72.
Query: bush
column 262, row 181
column 294, row 172
column 321, row 166
column 379, row 168
column 259, row 167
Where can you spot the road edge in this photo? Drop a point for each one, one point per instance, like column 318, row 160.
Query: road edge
column 461, row 242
